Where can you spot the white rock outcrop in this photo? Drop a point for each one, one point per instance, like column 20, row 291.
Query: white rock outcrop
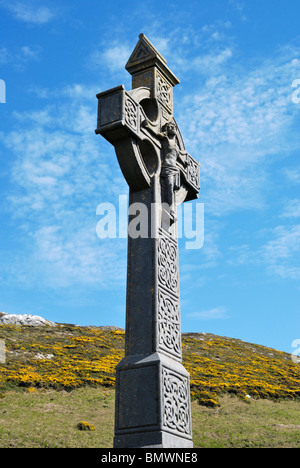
column 24, row 319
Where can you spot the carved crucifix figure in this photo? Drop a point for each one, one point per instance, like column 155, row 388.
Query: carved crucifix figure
column 169, row 174
column 152, row 386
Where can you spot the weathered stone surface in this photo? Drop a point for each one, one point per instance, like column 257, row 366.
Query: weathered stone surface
column 152, row 403
column 152, row 386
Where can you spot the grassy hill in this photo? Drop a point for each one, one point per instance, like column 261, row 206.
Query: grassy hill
column 51, row 372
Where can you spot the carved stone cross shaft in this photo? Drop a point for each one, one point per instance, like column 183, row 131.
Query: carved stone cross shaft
column 152, row 386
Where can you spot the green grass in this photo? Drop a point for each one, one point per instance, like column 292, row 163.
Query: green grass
column 49, row 418
column 236, row 424
column 244, row 395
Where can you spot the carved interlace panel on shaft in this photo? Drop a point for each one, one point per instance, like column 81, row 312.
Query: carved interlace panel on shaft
column 169, row 324
column 168, row 264
column 168, row 318
column 176, row 407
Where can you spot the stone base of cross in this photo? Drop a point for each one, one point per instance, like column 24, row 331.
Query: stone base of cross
column 152, row 386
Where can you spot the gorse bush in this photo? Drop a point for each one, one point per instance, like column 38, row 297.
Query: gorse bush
column 79, row 356
column 205, row 398
column 85, row 426
column 223, row 365
column 68, row 357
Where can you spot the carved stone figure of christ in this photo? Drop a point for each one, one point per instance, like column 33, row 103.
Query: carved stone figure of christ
column 170, row 174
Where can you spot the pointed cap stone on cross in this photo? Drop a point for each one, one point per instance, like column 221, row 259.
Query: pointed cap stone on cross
column 148, row 68
column 145, row 55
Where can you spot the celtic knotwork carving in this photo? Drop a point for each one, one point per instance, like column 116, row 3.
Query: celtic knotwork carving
column 169, row 324
column 193, row 172
column 168, row 264
column 163, row 91
column 176, row 402
column 131, row 113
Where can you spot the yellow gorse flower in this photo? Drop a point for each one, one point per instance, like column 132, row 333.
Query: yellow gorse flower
column 69, row 357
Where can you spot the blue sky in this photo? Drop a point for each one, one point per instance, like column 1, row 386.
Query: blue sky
column 239, row 115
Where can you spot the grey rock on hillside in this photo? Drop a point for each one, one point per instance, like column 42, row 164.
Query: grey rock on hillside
column 25, row 319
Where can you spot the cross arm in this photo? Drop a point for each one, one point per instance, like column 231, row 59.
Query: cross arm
column 119, row 122
column 117, row 114
column 190, row 172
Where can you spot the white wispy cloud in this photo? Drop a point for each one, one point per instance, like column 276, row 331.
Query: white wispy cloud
column 240, row 255
column 59, row 176
column 291, row 209
column 209, row 62
column 235, row 115
column 20, row 57
column 4, row 55
column 216, row 313
column 292, row 175
column 30, row 53
column 238, row 120
column 281, row 253
column 112, row 58
column 29, row 13
column 193, row 51
column 275, row 250
column 76, row 256
column 240, row 8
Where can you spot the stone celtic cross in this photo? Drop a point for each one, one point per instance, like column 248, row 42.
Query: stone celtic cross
column 152, row 386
